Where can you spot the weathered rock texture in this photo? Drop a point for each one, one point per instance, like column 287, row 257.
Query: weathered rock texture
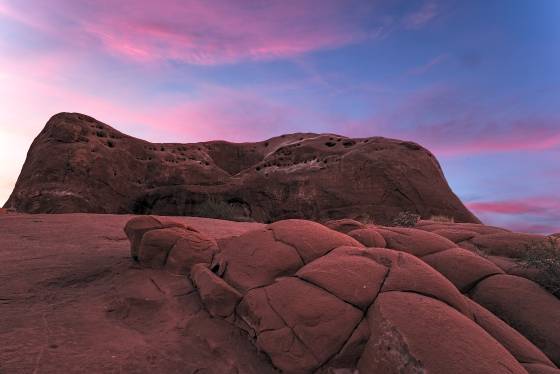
column 196, row 300
column 72, row 301
column 78, row 164
column 313, row 299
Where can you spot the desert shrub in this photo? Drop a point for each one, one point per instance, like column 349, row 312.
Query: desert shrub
column 545, row 257
column 406, row 219
column 214, row 208
column 440, row 218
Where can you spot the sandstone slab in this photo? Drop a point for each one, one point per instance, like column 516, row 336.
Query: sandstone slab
column 369, row 237
column 414, row 241
column 407, row 329
column 354, row 279
column 463, row 268
column 526, row 307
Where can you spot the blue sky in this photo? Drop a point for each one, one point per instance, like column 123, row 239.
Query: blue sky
column 476, row 82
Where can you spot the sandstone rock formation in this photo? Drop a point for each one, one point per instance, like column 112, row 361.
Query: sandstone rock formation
column 318, row 300
column 502, row 247
column 72, row 301
column 78, row 164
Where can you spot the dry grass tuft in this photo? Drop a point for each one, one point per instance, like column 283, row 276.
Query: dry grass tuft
column 440, row 218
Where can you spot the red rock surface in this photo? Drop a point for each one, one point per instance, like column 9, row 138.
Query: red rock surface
column 521, row 348
column 219, row 298
column 465, row 227
column 413, row 241
column 344, row 225
column 508, row 244
column 463, row 268
column 71, row 301
column 488, row 239
column 411, row 333
column 503, row 248
column 354, row 279
column 210, row 296
column 525, row 306
column 318, row 318
column 249, row 264
column 369, row 237
column 78, row 164
column 540, row 369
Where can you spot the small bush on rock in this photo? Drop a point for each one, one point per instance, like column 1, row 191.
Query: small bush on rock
column 546, row 259
column 406, row 219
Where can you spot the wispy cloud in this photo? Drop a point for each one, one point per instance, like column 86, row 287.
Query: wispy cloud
column 213, row 112
column 424, row 14
column 452, row 123
column 534, row 214
column 190, row 70
column 423, row 69
column 469, row 137
column 213, row 32
column 494, row 136
column 201, row 32
column 223, row 113
column 518, row 206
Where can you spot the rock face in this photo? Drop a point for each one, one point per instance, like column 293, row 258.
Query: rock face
column 72, row 301
column 316, row 300
column 197, row 295
column 78, row 164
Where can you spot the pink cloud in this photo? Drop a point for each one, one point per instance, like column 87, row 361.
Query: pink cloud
column 28, row 18
column 537, row 214
column 224, row 113
column 453, row 138
column 517, row 206
column 450, row 123
column 529, row 134
column 32, row 96
column 201, row 32
column 213, row 112
column 544, row 229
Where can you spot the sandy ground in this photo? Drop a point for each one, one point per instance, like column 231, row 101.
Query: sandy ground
column 72, row 301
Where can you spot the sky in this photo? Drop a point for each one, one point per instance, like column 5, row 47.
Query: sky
column 477, row 82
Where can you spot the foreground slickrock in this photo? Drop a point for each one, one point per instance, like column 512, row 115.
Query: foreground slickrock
column 210, row 296
column 72, row 301
column 365, row 298
column 78, row 164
